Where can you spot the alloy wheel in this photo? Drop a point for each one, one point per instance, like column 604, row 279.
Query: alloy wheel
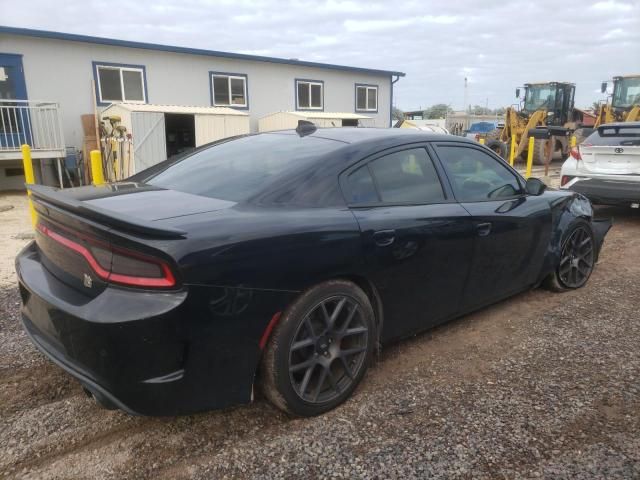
column 328, row 350
column 577, row 259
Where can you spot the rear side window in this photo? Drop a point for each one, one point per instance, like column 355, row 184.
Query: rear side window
column 476, row 176
column 613, row 136
column 407, row 176
column 361, row 187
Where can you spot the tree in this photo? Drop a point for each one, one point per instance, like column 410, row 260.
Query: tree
column 596, row 106
column 439, row 110
column 480, row 110
column 397, row 114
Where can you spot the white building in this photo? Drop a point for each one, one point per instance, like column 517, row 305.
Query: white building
column 59, row 77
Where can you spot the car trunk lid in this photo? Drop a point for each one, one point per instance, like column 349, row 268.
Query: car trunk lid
column 610, row 160
column 90, row 237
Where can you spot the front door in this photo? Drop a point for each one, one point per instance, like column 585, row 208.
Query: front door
column 14, row 120
column 512, row 229
column 417, row 239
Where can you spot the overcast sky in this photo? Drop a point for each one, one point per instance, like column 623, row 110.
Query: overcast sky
column 498, row 45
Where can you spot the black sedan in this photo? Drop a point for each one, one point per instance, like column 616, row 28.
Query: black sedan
column 284, row 260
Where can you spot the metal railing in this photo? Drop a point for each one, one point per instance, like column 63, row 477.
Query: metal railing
column 35, row 123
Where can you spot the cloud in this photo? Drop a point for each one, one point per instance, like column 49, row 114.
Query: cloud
column 499, row 45
column 612, row 5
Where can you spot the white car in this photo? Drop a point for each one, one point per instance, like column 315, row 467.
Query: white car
column 606, row 166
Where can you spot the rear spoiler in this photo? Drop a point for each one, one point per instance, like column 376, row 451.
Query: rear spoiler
column 52, row 196
column 614, row 130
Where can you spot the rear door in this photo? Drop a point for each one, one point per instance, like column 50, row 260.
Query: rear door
column 511, row 229
column 417, row 239
column 611, row 150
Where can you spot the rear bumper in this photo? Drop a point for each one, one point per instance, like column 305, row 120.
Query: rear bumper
column 607, row 192
column 147, row 353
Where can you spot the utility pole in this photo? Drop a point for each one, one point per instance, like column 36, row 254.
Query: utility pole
column 466, row 102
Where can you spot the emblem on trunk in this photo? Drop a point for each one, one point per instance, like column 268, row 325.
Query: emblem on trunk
column 87, row 281
column 619, row 150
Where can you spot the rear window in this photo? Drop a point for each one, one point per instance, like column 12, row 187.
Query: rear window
column 241, row 168
column 482, row 127
column 607, row 136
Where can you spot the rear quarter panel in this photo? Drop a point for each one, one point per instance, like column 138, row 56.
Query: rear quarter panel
column 267, row 248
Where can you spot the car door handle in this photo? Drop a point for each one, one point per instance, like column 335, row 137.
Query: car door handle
column 384, row 238
column 483, row 229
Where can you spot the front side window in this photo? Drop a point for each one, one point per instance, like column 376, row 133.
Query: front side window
column 309, row 95
column 626, row 92
column 539, row 96
column 407, row 176
column 366, row 98
column 120, row 84
column 476, row 176
column 229, row 90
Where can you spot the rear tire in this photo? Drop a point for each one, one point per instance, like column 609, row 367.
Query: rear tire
column 577, row 259
column 320, row 349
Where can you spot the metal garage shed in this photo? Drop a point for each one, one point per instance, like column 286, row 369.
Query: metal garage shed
column 161, row 131
column 287, row 120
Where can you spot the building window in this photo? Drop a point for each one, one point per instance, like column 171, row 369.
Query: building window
column 120, row 83
column 229, row 90
column 309, row 95
column 366, row 98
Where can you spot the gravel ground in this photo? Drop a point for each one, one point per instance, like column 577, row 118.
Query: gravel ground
column 540, row 386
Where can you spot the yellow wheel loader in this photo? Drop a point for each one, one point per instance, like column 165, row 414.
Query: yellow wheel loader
column 625, row 102
column 547, row 114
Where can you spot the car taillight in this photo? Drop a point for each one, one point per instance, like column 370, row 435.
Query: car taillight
column 565, row 179
column 118, row 265
column 575, row 153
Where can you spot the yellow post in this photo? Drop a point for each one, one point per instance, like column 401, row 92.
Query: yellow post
column 529, row 157
column 512, row 152
column 97, row 175
column 482, row 141
column 574, row 141
column 29, row 178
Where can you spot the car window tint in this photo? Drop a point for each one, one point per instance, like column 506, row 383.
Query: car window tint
column 612, row 136
column 477, row 176
column 361, row 187
column 241, row 168
column 407, row 176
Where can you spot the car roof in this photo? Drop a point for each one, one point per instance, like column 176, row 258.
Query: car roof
column 355, row 135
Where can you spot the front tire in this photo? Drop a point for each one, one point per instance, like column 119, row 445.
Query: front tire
column 540, row 151
column 577, row 259
column 320, row 349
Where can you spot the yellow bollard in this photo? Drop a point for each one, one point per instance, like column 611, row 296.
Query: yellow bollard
column 97, row 175
column 512, row 152
column 29, row 179
column 482, row 141
column 574, row 141
column 529, row 157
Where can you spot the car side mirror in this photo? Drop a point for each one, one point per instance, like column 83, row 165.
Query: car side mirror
column 535, row 186
column 603, row 87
